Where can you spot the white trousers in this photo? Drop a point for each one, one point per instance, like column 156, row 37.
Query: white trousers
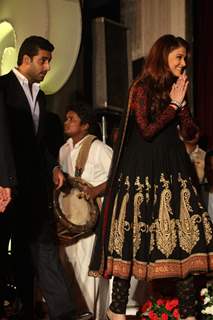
column 94, row 291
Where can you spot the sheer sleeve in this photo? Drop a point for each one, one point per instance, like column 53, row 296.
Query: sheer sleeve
column 188, row 128
column 139, row 106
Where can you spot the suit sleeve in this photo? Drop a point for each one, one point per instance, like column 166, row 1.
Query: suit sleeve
column 7, row 166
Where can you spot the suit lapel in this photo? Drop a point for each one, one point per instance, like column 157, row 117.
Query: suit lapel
column 18, row 95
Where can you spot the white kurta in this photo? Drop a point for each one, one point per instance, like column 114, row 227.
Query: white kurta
column 95, row 291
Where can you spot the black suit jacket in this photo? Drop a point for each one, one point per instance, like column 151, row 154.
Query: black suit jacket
column 7, row 167
column 32, row 162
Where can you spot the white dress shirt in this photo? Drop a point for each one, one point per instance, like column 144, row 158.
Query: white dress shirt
column 97, row 164
column 31, row 96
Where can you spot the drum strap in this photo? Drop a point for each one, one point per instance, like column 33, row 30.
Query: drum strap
column 83, row 154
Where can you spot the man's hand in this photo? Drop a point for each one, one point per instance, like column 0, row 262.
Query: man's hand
column 58, row 177
column 5, row 197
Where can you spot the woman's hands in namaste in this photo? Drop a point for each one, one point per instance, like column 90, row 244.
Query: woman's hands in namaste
column 179, row 89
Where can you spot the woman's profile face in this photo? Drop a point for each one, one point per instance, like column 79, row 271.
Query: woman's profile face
column 177, row 61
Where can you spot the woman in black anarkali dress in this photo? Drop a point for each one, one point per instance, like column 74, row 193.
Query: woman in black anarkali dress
column 154, row 224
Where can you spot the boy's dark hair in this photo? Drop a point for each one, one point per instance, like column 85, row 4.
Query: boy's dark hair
column 31, row 46
column 85, row 113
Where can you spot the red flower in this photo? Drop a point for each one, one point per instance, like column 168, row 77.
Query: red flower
column 176, row 314
column 164, row 316
column 146, row 306
column 171, row 304
column 152, row 315
column 161, row 301
column 155, row 309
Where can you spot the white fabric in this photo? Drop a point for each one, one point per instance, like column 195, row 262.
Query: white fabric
column 31, row 96
column 96, row 291
column 197, row 157
column 97, row 165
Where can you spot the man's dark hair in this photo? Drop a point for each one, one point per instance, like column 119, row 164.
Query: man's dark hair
column 85, row 113
column 32, row 45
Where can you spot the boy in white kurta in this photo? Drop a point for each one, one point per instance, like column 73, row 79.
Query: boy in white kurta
column 77, row 127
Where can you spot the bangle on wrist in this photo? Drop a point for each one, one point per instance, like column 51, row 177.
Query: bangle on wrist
column 178, row 104
column 175, row 102
column 174, row 105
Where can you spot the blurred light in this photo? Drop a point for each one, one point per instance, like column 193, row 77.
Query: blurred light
column 8, row 52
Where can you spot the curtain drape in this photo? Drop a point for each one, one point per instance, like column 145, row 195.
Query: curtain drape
column 203, row 67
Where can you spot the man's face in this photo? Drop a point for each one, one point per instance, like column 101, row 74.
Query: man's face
column 73, row 126
column 38, row 66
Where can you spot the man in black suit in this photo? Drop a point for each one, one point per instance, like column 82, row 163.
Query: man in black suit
column 7, row 174
column 34, row 244
column 7, row 181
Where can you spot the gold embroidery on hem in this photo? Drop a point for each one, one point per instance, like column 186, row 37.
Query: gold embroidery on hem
column 120, row 223
column 164, row 268
column 138, row 199
column 165, row 227
column 188, row 230
column 113, row 226
column 148, row 187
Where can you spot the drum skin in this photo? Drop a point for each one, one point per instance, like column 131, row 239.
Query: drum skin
column 76, row 215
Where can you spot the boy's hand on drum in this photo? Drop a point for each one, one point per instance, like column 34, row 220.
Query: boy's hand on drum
column 94, row 192
column 58, row 177
column 90, row 192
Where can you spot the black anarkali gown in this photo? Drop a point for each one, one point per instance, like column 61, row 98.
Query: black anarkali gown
column 153, row 223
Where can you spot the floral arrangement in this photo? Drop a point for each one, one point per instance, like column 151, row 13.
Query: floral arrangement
column 165, row 309
column 207, row 301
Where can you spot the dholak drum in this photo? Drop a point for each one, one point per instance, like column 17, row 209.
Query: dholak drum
column 76, row 215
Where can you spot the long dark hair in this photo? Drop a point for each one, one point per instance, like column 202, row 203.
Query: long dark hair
column 156, row 74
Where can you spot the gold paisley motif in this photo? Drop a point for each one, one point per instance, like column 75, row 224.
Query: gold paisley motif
column 165, row 226
column 138, row 194
column 194, row 189
column 196, row 193
column 113, row 226
column 188, row 229
column 152, row 236
column 207, row 227
column 137, row 226
column 120, row 223
column 148, row 187
column 155, row 193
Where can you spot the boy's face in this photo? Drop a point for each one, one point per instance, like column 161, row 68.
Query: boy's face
column 73, row 126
